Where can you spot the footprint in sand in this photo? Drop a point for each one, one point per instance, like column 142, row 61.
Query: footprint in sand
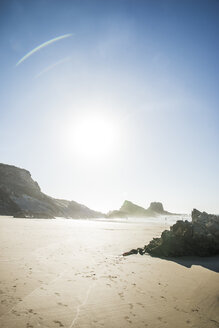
column 61, row 304
column 59, row 323
column 140, row 304
column 30, row 311
column 127, row 319
column 159, row 318
column 15, row 312
column 121, row 295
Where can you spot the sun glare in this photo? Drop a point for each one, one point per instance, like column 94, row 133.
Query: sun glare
column 92, row 137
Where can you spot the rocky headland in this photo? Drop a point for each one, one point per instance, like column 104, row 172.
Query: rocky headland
column 21, row 196
column 199, row 237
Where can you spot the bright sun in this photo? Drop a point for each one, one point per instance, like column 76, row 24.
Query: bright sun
column 93, row 137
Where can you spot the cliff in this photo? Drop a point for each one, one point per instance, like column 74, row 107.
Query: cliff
column 21, row 196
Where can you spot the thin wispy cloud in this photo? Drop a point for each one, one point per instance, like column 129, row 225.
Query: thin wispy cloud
column 50, row 67
column 43, row 45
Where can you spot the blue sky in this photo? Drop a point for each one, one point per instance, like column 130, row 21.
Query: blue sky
column 150, row 68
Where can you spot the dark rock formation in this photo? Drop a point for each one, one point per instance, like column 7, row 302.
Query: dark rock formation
column 129, row 209
column 7, row 205
column 20, row 196
column 157, row 207
column 199, row 237
column 132, row 209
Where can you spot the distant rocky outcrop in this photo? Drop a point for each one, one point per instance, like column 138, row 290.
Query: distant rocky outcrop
column 199, row 237
column 117, row 214
column 157, row 207
column 129, row 209
column 21, row 196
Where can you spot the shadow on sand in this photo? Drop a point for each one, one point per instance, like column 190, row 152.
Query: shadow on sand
column 210, row 263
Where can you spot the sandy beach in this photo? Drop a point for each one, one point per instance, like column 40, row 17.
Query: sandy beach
column 70, row 273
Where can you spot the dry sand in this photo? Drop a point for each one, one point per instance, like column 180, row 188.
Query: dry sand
column 69, row 273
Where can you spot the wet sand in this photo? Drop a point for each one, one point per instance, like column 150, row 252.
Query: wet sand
column 70, row 273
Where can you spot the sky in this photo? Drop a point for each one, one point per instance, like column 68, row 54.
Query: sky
column 124, row 104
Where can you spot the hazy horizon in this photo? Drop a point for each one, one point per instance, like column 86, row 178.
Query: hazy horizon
column 104, row 101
